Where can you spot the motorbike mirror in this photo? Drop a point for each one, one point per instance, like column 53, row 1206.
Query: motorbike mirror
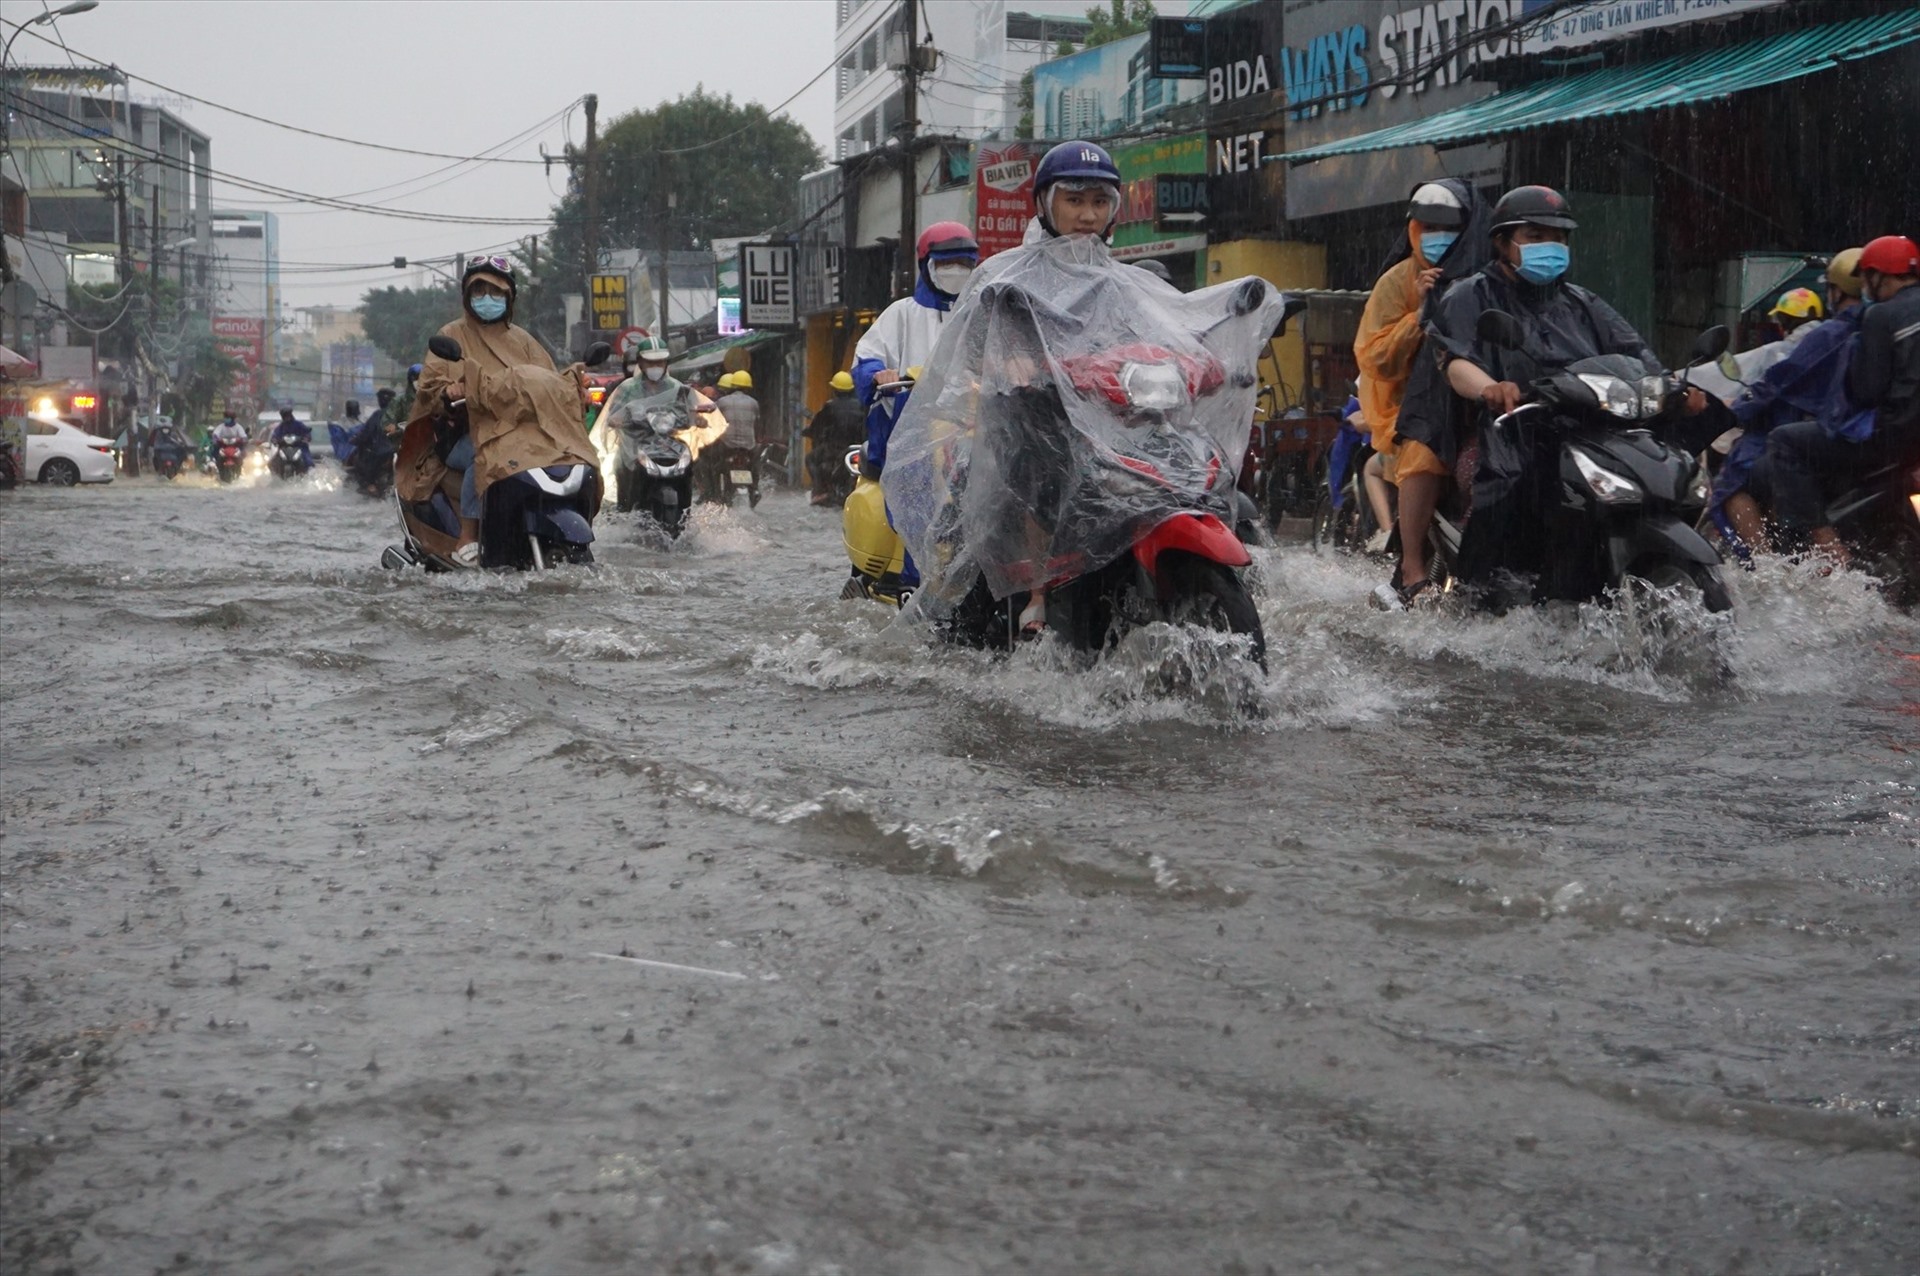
column 1292, row 307
column 441, row 346
column 1500, row 328
column 597, row 354
column 1709, row 345
column 1248, row 296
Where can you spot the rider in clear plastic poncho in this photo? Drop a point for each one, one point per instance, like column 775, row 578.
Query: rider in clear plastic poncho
column 1060, row 380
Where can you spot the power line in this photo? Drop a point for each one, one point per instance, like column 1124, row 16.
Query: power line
column 768, row 119
column 261, row 119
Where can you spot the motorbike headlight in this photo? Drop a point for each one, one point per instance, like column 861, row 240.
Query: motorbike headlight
column 1653, row 395
column 1153, row 387
column 1616, row 396
column 1701, row 489
column 1611, row 488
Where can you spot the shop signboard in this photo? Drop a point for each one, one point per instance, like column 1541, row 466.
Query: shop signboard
column 243, row 338
column 1179, row 48
column 1104, row 90
column 820, row 239
column 768, row 297
column 1562, row 26
column 609, row 302
column 1145, row 168
column 1348, row 67
column 1003, row 193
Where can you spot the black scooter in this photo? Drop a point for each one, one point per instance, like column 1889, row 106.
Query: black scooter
column 1622, row 496
column 660, row 482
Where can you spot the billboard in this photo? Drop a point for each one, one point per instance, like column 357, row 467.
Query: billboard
column 1571, row 26
column 1003, row 193
column 609, row 302
column 1104, row 90
column 1147, row 169
column 243, row 338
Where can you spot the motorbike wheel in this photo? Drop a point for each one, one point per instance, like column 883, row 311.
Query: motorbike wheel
column 1666, row 574
column 1212, row 596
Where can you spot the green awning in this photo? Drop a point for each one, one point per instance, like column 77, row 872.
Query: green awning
column 1647, row 86
column 709, row 355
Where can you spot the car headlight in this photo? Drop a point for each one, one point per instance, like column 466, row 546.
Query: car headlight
column 1617, row 396
column 1153, row 387
column 1611, row 488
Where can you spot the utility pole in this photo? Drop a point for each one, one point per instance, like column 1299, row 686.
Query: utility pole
column 909, row 129
column 590, row 233
column 665, row 322
column 533, row 286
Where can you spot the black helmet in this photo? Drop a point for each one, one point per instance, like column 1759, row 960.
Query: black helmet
column 384, row 397
column 499, row 267
column 1533, row 206
column 353, row 407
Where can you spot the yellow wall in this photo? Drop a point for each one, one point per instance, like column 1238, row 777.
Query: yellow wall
column 1285, row 265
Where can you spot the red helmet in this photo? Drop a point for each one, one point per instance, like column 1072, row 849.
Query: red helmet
column 945, row 238
column 1890, row 255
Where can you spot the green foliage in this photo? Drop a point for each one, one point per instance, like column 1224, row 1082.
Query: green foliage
column 205, row 375
column 399, row 320
column 1120, row 19
column 744, row 185
column 1024, row 128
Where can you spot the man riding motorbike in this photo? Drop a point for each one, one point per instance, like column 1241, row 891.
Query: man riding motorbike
column 631, row 405
column 835, row 428
column 740, row 445
column 291, row 429
column 489, row 339
column 1564, row 324
column 371, row 465
column 904, row 334
column 1882, row 382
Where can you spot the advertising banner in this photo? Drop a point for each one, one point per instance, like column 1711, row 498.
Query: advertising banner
column 243, row 338
column 1139, row 232
column 1104, row 90
column 1574, row 26
column 609, row 302
column 768, row 296
column 1003, row 193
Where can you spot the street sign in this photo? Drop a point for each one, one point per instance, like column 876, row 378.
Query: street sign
column 767, row 286
column 1179, row 48
column 609, row 302
column 628, row 339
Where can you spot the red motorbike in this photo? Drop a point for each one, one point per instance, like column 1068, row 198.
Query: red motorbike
column 229, row 457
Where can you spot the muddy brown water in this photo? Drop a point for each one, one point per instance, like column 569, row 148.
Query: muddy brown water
column 1454, row 944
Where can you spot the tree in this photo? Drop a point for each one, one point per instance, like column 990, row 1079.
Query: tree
column 399, row 320
column 679, row 176
column 1120, row 19
column 205, row 375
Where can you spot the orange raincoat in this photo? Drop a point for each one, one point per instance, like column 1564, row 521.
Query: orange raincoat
column 1388, row 340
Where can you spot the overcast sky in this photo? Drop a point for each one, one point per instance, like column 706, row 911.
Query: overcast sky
column 452, row 77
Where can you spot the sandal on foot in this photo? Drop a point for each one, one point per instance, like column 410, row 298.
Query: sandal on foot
column 467, row 555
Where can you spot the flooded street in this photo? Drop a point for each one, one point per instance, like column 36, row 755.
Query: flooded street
column 1455, row 944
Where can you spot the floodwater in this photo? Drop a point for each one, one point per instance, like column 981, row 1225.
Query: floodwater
column 1453, row 945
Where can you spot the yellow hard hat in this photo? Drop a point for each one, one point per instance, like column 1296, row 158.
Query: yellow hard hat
column 1798, row 303
column 842, row 382
column 743, row 380
column 1843, row 272
column 726, row 381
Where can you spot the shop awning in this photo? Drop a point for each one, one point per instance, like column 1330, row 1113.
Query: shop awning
column 1647, row 86
column 709, row 355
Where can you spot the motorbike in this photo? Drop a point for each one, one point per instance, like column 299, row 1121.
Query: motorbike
column 739, row 472
column 289, row 458
column 878, row 556
column 169, row 459
column 1124, row 447
column 1596, row 449
column 656, row 469
column 539, row 517
column 229, row 457
column 1879, row 520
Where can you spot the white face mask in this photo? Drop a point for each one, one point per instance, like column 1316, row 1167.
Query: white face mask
column 951, row 277
column 652, row 371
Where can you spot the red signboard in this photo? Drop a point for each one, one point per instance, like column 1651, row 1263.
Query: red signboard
column 244, row 339
column 1003, row 193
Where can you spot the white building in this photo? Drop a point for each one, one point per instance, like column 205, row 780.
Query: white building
column 985, row 47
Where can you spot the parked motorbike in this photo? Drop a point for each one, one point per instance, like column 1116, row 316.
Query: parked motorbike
column 1622, row 497
column 538, row 517
column 229, row 458
column 656, row 469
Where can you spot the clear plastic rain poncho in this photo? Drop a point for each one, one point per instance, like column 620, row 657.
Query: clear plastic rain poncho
column 1072, row 404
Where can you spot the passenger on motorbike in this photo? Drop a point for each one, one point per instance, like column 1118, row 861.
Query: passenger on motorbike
column 742, row 412
column 373, row 449
column 1564, row 323
column 487, row 337
column 1444, row 240
column 1882, row 380
column 1797, row 387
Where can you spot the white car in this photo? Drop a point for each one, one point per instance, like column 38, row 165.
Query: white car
column 63, row 454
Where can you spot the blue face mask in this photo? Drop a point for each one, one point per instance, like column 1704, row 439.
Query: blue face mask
column 488, row 309
column 1543, row 263
column 1434, row 245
